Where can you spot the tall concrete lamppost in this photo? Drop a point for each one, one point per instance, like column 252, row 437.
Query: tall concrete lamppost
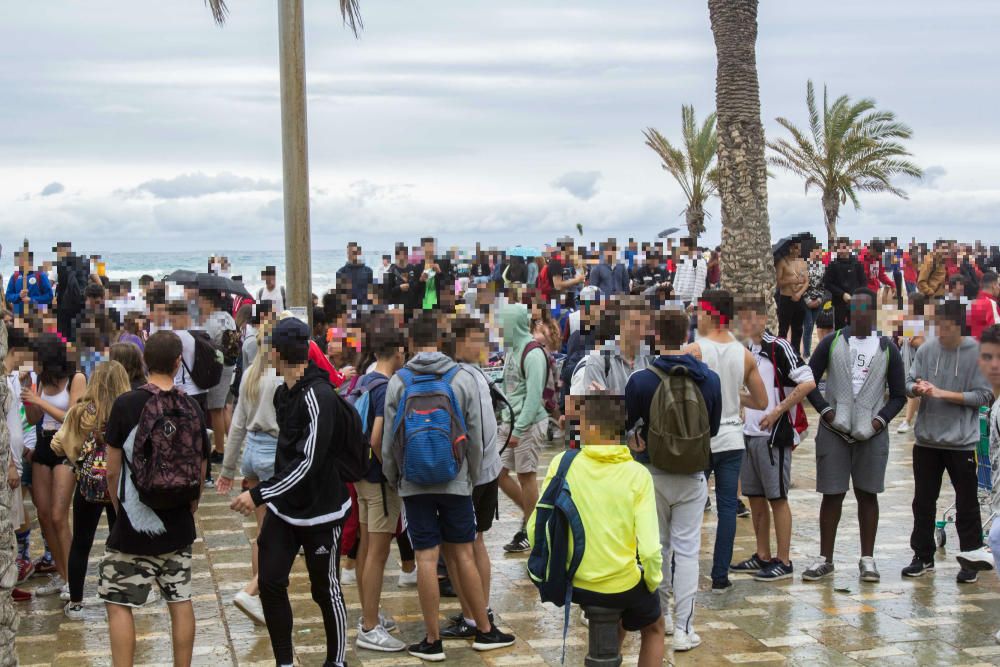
column 295, row 139
column 295, row 153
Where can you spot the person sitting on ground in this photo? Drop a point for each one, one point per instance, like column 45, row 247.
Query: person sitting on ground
column 615, row 498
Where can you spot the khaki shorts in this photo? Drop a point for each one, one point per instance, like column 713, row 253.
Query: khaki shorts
column 379, row 516
column 126, row 579
column 523, row 458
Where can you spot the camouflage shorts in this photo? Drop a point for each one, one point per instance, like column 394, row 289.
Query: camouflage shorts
column 126, row 579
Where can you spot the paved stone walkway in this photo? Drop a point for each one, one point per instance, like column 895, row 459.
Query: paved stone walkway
column 930, row 621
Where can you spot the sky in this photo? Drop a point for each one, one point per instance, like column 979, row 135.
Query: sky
column 512, row 122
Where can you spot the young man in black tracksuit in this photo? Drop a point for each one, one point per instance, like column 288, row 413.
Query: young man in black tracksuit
column 306, row 499
column 844, row 274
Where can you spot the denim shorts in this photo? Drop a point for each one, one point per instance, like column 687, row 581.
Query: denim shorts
column 258, row 455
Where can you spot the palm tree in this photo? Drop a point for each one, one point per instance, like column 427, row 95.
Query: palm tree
column 348, row 8
column 692, row 166
column 748, row 268
column 853, row 147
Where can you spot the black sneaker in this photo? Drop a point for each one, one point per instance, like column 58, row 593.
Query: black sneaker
column 494, row 639
column 460, row 618
column 445, row 589
column 708, row 504
column 742, row 510
column 966, row 576
column 751, row 565
column 776, row 571
column 917, row 568
column 720, row 587
column 216, row 458
column 429, row 651
column 458, row 630
column 519, row 544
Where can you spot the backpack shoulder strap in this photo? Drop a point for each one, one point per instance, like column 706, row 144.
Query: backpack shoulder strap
column 534, row 345
column 565, row 462
column 833, row 344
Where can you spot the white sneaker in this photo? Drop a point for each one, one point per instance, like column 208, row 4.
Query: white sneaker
column 73, row 611
column 583, row 619
column 54, row 585
column 685, row 641
column 407, row 579
column 250, row 605
column 997, row 637
column 978, row 560
column 378, row 639
column 668, row 624
column 348, row 577
column 903, row 428
column 64, row 593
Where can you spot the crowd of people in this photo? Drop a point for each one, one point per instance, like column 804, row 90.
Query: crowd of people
column 418, row 392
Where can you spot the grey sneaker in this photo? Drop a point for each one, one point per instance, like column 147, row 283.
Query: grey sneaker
column 53, row 586
column 377, row 639
column 818, row 570
column 866, row 566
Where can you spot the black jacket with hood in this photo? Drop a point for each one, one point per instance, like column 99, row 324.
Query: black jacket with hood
column 306, row 489
column 844, row 276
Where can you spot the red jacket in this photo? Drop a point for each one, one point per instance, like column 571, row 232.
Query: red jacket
column 982, row 314
column 317, row 357
column 909, row 271
column 874, row 271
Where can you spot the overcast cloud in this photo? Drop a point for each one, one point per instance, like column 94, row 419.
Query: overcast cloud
column 506, row 121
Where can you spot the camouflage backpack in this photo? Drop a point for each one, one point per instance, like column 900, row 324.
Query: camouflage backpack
column 168, row 451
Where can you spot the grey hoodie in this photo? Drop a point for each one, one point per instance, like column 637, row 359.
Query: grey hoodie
column 466, row 389
column 942, row 424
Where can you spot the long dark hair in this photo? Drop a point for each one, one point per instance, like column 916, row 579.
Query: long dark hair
column 53, row 362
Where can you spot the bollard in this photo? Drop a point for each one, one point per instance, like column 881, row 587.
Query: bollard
column 603, row 625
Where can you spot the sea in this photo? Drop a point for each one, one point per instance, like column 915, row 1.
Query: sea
column 132, row 265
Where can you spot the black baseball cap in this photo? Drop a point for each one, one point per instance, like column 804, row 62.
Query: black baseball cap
column 290, row 339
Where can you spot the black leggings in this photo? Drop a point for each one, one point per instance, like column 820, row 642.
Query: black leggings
column 791, row 314
column 277, row 545
column 86, row 517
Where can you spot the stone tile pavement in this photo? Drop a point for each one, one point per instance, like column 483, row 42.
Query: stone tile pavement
column 929, row 621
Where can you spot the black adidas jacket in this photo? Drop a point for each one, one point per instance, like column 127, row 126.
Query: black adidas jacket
column 306, row 489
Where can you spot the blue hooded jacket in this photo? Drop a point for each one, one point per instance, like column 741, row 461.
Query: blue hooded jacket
column 643, row 384
column 39, row 290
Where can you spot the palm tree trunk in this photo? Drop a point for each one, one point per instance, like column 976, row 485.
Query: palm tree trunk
column 748, row 267
column 8, row 543
column 695, row 218
column 831, row 211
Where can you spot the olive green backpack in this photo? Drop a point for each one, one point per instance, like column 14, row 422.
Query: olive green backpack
column 680, row 435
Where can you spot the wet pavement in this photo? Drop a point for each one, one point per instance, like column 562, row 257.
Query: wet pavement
column 928, row 621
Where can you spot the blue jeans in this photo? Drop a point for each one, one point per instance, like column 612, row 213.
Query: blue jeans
column 726, row 466
column 807, row 330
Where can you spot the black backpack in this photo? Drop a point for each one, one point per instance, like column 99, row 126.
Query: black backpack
column 351, row 446
column 72, row 297
column 207, row 369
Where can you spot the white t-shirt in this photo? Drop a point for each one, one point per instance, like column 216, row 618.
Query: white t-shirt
column 751, row 423
column 863, row 352
column 275, row 296
column 183, row 379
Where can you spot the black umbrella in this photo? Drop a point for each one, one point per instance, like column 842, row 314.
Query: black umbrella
column 208, row 282
column 667, row 232
column 806, row 240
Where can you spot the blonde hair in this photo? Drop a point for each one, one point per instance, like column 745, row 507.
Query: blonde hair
column 108, row 381
column 254, row 375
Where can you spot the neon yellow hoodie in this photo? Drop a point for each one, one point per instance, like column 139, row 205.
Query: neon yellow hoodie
column 614, row 496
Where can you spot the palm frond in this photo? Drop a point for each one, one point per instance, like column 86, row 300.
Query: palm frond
column 219, row 10
column 351, row 12
column 673, row 158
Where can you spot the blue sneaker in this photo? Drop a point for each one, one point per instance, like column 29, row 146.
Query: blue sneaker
column 775, row 571
column 751, row 565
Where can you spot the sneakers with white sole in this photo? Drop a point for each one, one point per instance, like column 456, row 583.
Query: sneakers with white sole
column 378, row 639
column 74, row 611
column 348, row 577
column 407, row 579
column 903, row 428
column 978, row 560
column 867, row 570
column 250, row 605
column 818, row 570
column 52, row 587
column 685, row 641
column 64, row 593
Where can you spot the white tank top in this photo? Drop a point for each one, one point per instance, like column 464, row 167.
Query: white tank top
column 727, row 360
column 60, row 401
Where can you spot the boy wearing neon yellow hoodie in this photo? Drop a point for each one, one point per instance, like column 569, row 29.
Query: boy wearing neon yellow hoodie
column 614, row 496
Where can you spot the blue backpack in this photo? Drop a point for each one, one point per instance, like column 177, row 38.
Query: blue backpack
column 360, row 398
column 557, row 521
column 429, row 429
